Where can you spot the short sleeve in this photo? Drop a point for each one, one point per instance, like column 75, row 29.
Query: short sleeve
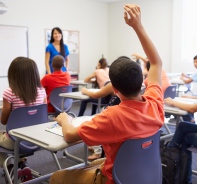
column 66, row 50
column 48, row 48
column 8, row 95
column 194, row 77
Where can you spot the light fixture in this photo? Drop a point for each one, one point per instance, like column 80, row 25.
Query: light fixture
column 3, row 8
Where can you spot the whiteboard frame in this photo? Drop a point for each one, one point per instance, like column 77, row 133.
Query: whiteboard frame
column 64, row 32
column 27, row 40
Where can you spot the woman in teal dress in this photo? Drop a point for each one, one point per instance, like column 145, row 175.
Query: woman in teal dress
column 56, row 47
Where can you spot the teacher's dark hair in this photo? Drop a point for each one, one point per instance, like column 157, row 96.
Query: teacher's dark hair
column 62, row 49
column 24, row 78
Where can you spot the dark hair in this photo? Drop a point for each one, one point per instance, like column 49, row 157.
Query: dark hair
column 62, row 49
column 148, row 65
column 103, row 63
column 195, row 57
column 23, row 78
column 126, row 76
column 58, row 62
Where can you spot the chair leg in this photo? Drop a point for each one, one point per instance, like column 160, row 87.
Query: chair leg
column 7, row 174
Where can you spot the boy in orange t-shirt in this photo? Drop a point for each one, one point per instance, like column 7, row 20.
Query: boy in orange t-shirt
column 137, row 116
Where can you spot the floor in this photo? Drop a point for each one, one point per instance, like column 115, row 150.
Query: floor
column 42, row 160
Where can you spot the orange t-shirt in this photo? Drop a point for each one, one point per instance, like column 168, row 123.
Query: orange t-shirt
column 129, row 119
column 164, row 79
column 52, row 81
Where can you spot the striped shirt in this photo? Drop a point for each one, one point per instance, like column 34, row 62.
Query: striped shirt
column 17, row 102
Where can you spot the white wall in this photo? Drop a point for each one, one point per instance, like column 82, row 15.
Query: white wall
column 157, row 20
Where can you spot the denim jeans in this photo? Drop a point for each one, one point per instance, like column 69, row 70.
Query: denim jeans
column 186, row 135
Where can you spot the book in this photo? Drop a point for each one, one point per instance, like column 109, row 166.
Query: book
column 57, row 129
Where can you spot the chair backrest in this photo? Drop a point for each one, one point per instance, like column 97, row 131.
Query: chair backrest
column 170, row 92
column 56, row 100
column 138, row 161
column 27, row 116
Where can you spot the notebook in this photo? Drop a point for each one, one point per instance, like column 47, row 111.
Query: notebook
column 57, row 129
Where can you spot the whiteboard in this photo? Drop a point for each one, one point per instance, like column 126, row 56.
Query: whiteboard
column 13, row 43
column 71, row 39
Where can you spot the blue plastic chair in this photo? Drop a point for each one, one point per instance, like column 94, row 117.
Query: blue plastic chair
column 170, row 92
column 56, row 100
column 138, row 161
column 23, row 117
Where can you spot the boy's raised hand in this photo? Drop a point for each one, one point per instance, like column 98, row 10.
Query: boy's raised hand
column 132, row 15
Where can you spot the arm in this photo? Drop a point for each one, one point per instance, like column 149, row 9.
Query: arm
column 88, row 78
column 134, row 20
column 67, row 63
column 69, row 131
column 187, row 96
column 187, row 107
column 104, row 91
column 47, row 56
column 140, row 57
column 6, row 110
column 186, row 79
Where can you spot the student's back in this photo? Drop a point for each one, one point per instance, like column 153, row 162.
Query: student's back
column 24, row 90
column 57, row 79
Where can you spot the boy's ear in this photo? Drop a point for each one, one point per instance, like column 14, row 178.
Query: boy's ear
column 115, row 90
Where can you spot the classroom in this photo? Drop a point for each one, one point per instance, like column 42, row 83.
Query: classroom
column 102, row 31
column 100, row 18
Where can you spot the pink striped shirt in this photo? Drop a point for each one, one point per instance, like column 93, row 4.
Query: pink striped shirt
column 102, row 76
column 17, row 102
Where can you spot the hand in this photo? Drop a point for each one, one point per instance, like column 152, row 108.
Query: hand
column 132, row 15
column 63, row 117
column 83, row 90
column 168, row 101
column 135, row 55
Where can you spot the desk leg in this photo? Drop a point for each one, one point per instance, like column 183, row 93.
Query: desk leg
column 63, row 100
column 16, row 155
column 85, row 154
column 177, row 120
column 99, row 105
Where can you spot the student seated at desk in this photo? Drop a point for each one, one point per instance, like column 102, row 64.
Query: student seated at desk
column 118, row 123
column 107, row 90
column 186, row 79
column 165, row 80
column 24, row 89
column 56, row 79
column 102, row 78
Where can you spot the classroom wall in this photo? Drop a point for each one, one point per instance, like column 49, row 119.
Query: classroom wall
column 87, row 16
column 157, row 20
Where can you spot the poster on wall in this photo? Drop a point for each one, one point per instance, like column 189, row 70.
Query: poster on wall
column 71, row 39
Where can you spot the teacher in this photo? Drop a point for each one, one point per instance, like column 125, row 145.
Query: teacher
column 56, row 47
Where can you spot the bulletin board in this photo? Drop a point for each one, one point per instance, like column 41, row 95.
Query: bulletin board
column 13, row 43
column 71, row 39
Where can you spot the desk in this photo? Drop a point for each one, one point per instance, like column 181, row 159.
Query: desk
column 79, row 82
column 174, row 111
column 79, row 96
column 186, row 100
column 37, row 135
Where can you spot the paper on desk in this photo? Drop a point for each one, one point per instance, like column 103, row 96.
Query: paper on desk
column 57, row 129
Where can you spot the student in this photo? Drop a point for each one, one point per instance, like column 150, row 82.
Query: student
column 102, row 78
column 186, row 79
column 107, row 90
column 182, row 135
column 135, row 117
column 56, row 47
column 57, row 79
column 24, row 89
column 165, row 80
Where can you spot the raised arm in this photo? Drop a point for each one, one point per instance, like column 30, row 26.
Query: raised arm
column 145, row 60
column 104, row 91
column 133, row 18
